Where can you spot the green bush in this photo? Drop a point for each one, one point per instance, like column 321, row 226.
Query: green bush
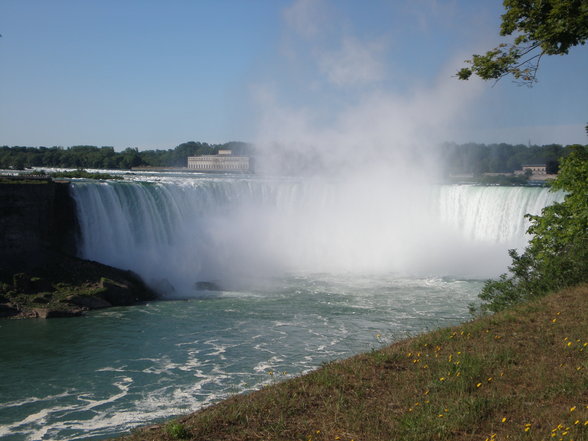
column 557, row 254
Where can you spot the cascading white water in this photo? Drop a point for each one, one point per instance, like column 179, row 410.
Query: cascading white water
column 493, row 214
column 227, row 230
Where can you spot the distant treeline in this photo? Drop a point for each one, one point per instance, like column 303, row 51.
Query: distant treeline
column 477, row 159
column 86, row 156
column 456, row 159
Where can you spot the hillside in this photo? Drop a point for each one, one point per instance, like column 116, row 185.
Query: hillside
column 519, row 375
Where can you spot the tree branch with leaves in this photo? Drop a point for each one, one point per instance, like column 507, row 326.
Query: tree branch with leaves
column 538, row 28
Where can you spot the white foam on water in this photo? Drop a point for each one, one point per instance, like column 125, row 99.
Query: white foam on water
column 30, row 400
column 38, row 425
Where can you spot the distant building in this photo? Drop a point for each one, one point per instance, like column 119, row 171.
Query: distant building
column 223, row 162
column 536, row 172
column 535, row 169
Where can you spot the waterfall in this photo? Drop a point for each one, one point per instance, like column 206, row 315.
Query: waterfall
column 493, row 214
column 175, row 234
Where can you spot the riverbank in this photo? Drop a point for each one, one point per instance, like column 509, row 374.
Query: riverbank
column 521, row 375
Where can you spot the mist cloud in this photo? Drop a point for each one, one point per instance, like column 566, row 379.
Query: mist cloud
column 345, row 112
column 353, row 63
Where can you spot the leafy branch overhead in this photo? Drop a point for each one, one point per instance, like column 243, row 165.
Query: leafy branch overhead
column 539, row 27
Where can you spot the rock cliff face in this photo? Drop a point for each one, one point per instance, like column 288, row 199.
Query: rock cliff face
column 37, row 217
column 39, row 273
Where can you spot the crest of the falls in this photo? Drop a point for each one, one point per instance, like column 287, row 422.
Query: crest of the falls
column 175, row 234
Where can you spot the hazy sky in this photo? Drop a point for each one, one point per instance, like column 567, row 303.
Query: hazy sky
column 153, row 74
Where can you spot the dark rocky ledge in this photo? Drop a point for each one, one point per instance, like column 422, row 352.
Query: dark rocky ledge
column 68, row 287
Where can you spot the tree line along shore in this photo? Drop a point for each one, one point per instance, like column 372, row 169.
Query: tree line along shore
column 453, row 159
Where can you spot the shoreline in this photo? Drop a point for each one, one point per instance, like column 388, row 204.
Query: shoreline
column 519, row 374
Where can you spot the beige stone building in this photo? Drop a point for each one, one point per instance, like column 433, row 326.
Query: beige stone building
column 223, row 162
column 535, row 169
column 538, row 172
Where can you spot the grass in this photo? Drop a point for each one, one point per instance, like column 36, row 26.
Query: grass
column 517, row 375
column 176, row 430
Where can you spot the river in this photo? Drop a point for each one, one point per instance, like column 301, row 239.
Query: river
column 297, row 272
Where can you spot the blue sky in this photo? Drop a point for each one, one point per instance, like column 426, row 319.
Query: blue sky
column 153, row 74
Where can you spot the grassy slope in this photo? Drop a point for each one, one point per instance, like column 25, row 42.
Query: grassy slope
column 518, row 375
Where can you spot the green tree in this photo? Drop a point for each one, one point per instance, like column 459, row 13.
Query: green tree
column 130, row 158
column 557, row 254
column 540, row 27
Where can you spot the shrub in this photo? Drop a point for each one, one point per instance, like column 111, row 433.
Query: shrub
column 557, row 254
